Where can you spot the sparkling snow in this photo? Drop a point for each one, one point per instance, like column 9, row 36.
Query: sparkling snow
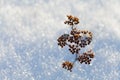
column 28, row 39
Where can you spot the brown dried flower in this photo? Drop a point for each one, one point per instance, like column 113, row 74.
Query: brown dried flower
column 86, row 57
column 62, row 40
column 72, row 20
column 67, row 65
column 76, row 40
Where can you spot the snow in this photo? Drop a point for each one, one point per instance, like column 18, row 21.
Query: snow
column 28, row 39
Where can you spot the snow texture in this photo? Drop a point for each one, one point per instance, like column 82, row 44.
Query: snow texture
column 28, row 39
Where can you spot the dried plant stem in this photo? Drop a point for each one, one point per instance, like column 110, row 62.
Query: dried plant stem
column 76, row 57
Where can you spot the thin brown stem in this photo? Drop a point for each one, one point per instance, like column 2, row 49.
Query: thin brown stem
column 75, row 59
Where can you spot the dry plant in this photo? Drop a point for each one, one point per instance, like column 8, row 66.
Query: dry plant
column 76, row 40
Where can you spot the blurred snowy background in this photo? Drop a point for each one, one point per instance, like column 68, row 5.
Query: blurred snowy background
column 28, row 39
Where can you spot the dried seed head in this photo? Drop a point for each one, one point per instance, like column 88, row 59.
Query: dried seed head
column 76, row 40
column 67, row 65
column 69, row 17
column 72, row 20
column 86, row 57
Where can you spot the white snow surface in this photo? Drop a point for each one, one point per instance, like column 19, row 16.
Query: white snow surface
column 28, row 39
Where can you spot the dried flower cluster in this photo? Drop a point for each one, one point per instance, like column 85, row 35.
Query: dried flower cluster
column 71, row 20
column 67, row 65
column 86, row 57
column 76, row 40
